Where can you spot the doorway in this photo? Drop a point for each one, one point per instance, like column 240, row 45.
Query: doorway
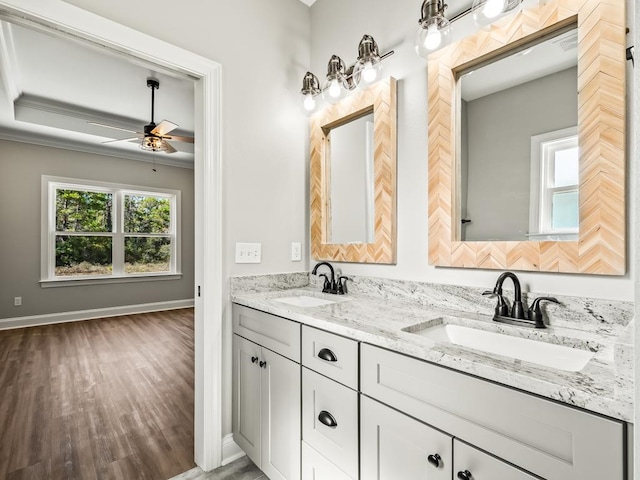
column 59, row 18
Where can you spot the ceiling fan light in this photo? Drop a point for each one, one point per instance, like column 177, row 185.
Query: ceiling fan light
column 153, row 144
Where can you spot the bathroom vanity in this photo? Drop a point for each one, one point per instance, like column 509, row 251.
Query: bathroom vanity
column 368, row 397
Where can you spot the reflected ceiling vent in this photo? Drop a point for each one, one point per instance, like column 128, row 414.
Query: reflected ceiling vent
column 568, row 42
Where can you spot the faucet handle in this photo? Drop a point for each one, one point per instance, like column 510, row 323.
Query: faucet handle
column 502, row 309
column 535, row 312
column 342, row 284
column 326, row 287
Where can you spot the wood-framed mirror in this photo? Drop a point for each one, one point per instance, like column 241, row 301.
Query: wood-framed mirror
column 353, row 177
column 600, row 245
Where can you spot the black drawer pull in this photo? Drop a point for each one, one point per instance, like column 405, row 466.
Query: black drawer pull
column 327, row 419
column 263, row 364
column 254, row 359
column 434, row 460
column 466, row 475
column 327, row 355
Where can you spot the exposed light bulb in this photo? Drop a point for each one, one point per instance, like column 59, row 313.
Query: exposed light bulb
column 369, row 73
column 433, row 39
column 493, row 8
column 334, row 88
column 309, row 102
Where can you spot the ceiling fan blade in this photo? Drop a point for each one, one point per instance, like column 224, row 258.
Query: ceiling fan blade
column 111, row 126
column 180, row 138
column 163, row 128
column 122, row 140
column 170, row 148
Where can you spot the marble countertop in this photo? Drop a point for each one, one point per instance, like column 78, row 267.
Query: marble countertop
column 604, row 385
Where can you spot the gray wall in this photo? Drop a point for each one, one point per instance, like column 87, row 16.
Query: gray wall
column 393, row 26
column 21, row 168
column 500, row 127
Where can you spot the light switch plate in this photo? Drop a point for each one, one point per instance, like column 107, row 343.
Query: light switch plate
column 248, row 252
column 296, row 251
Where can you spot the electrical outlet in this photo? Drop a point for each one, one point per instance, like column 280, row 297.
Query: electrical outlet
column 296, row 251
column 248, row 252
column 17, row 301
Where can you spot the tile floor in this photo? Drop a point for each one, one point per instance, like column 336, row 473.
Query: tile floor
column 241, row 469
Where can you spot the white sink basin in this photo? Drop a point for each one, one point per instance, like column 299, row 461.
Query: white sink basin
column 304, row 301
column 545, row 354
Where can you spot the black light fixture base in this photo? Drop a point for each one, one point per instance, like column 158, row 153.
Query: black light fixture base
column 153, row 83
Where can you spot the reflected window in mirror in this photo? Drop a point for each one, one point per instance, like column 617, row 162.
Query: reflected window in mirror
column 554, row 213
column 351, row 181
column 504, row 104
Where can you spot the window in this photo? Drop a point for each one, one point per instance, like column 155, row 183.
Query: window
column 101, row 231
column 554, row 185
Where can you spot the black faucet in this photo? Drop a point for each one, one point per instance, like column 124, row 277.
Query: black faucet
column 517, row 315
column 329, row 286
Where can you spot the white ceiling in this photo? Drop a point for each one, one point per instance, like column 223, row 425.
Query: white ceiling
column 51, row 87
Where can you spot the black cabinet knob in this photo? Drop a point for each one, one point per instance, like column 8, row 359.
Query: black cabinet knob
column 263, row 364
column 434, row 460
column 466, row 475
column 327, row 355
column 254, row 359
column 327, row 419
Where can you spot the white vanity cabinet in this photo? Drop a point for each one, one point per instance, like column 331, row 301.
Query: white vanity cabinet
column 266, row 391
column 329, row 406
column 550, row 440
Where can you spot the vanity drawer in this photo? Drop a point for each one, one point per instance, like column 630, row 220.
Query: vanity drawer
column 270, row 331
column 324, row 402
column 541, row 436
column 317, row 467
column 331, row 355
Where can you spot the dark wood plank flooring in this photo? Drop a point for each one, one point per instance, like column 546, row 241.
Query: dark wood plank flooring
column 100, row 399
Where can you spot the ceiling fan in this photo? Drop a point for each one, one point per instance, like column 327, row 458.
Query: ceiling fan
column 154, row 137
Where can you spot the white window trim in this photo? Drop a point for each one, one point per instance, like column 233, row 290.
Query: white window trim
column 49, row 184
column 536, row 227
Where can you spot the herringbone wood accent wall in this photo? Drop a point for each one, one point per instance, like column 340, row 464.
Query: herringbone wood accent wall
column 381, row 100
column 601, row 136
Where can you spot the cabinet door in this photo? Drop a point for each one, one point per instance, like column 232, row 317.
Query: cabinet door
column 394, row 446
column 246, row 397
column 476, row 465
column 317, row 467
column 280, row 402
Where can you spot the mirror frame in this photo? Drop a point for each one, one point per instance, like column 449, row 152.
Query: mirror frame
column 380, row 99
column 601, row 245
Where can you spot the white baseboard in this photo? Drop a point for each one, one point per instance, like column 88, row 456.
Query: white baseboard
column 230, row 450
column 78, row 315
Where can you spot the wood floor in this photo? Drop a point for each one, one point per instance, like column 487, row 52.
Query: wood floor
column 99, row 399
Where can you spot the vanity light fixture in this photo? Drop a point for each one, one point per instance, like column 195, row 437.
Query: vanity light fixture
column 485, row 12
column 310, row 91
column 434, row 29
column 368, row 67
column 335, row 87
column 341, row 80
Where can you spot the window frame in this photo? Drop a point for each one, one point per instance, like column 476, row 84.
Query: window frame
column 49, row 186
column 541, row 195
